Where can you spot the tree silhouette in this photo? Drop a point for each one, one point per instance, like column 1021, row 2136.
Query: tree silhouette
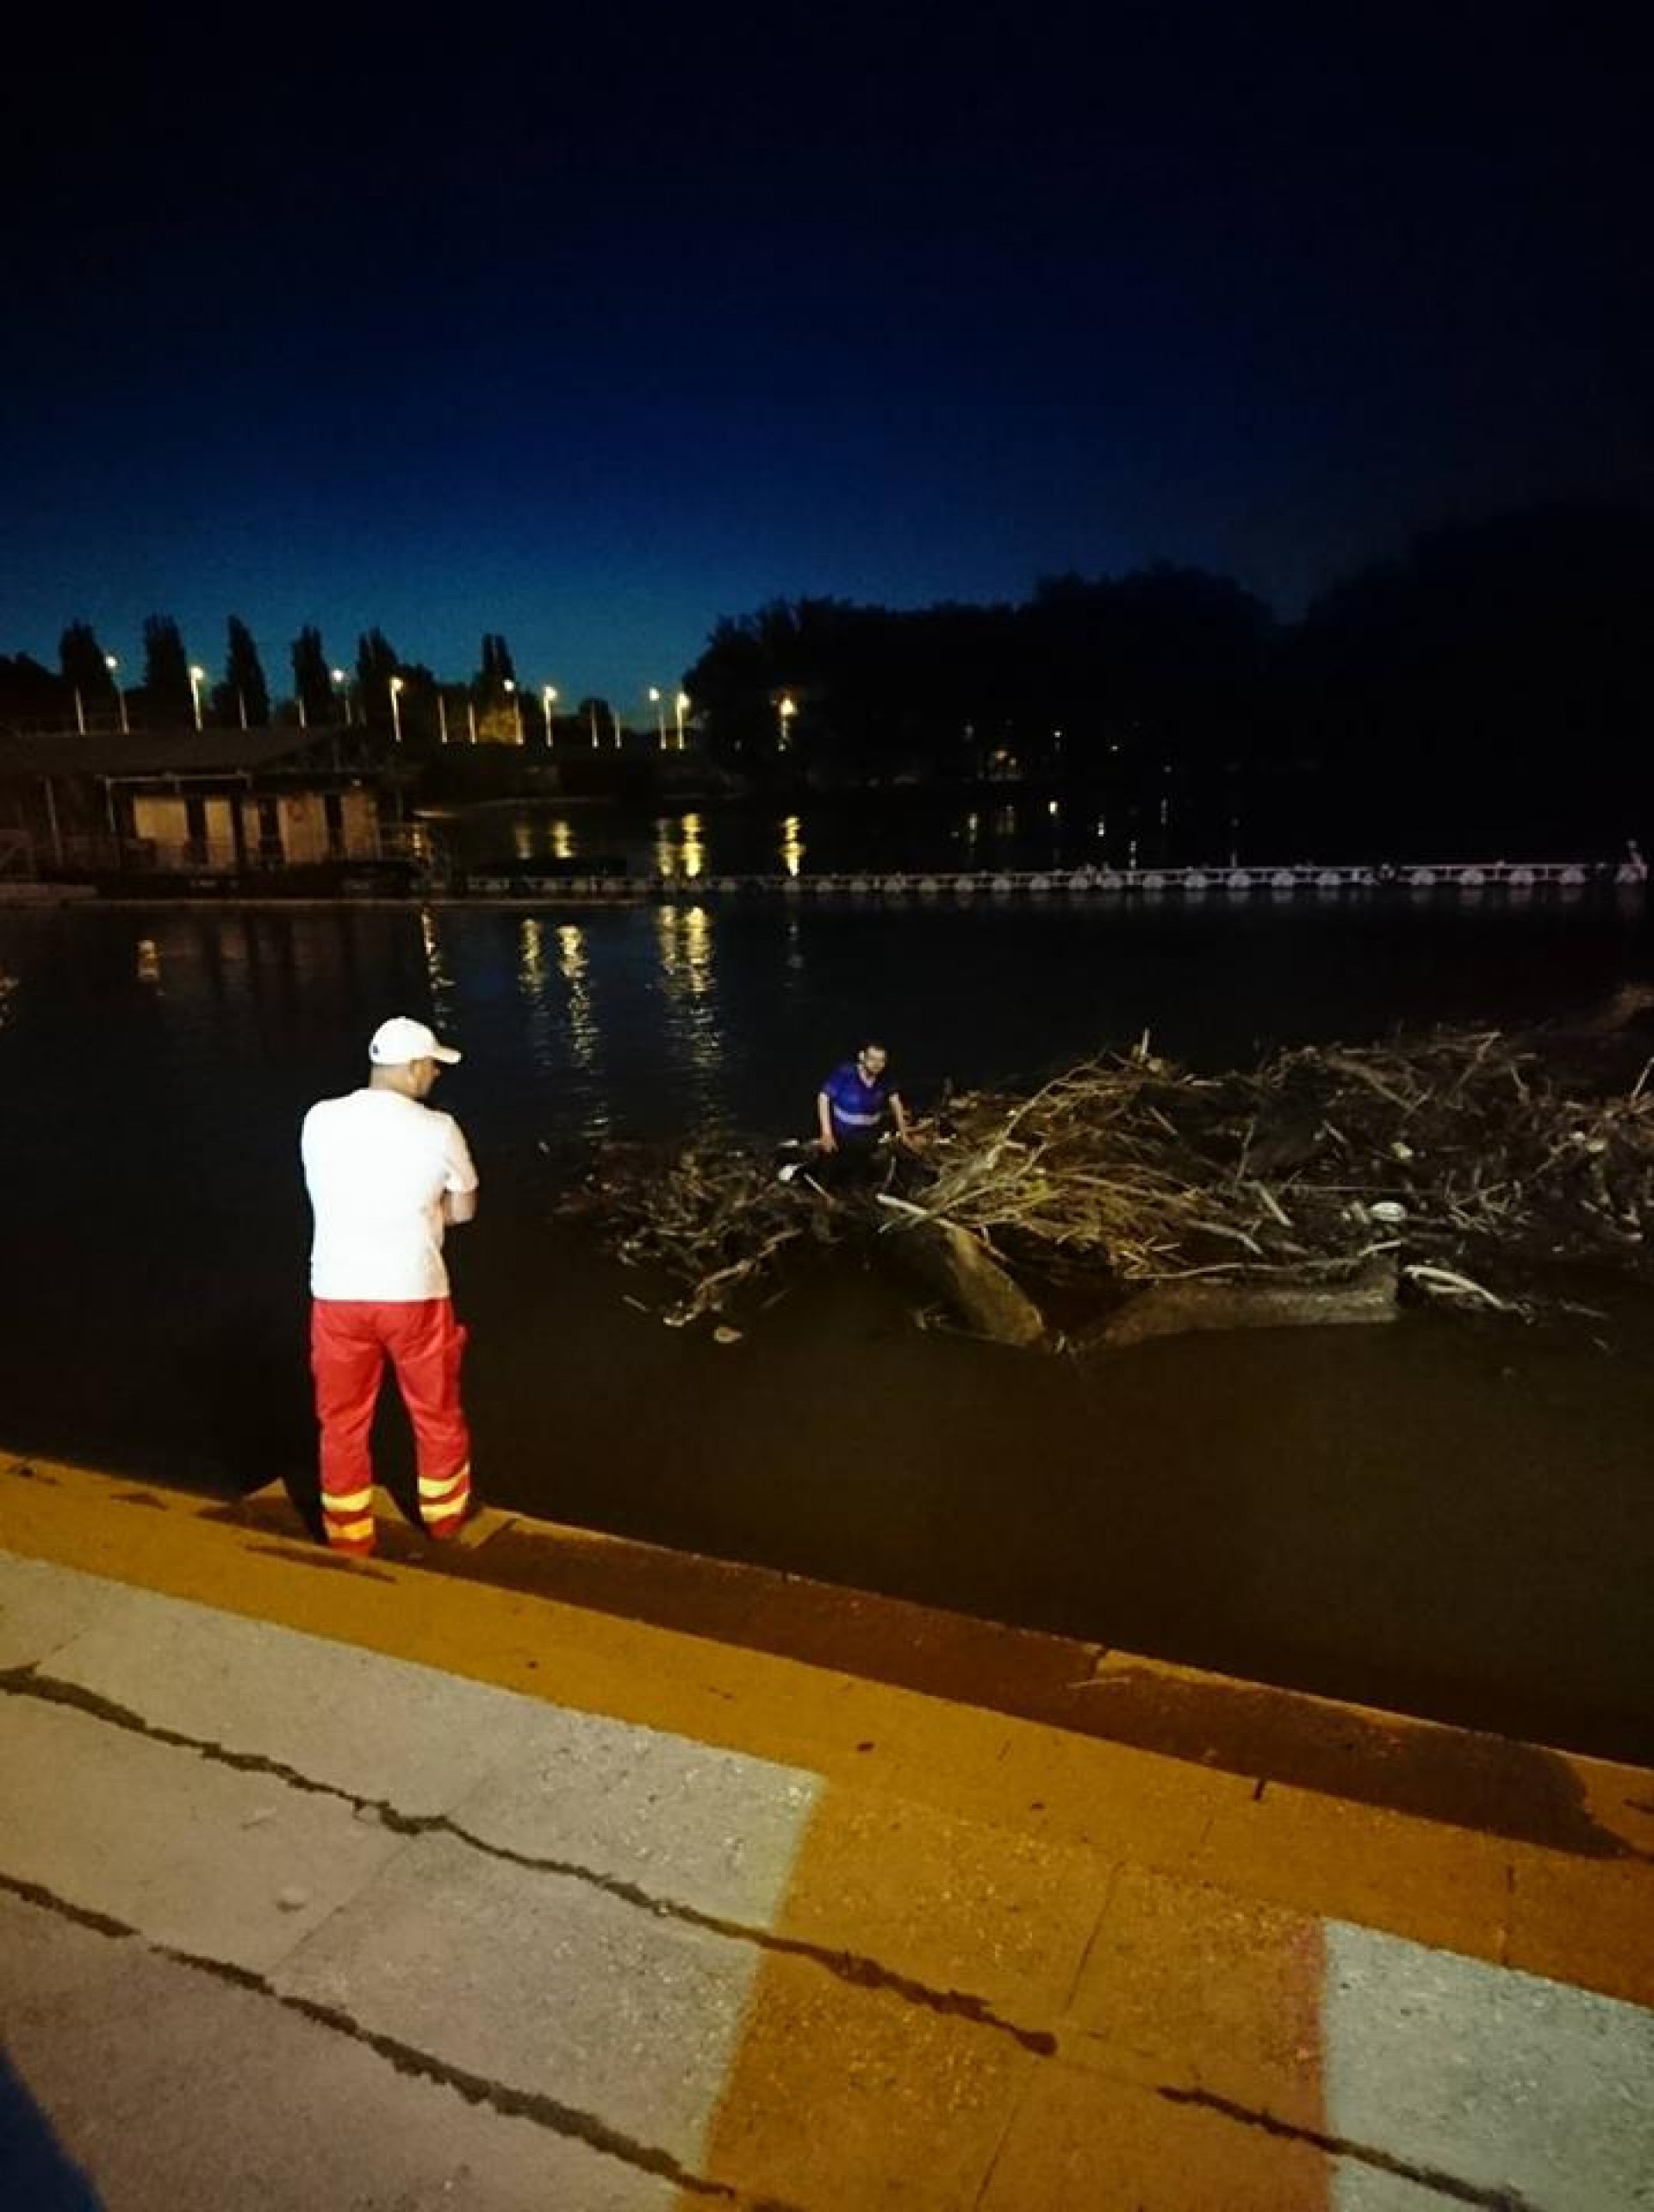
column 313, row 680
column 243, row 698
column 498, row 671
column 375, row 664
column 167, row 688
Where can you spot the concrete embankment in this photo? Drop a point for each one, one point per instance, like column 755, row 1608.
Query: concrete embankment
column 557, row 1872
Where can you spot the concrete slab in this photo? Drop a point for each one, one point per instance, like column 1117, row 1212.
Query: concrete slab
column 541, row 1983
column 1598, row 1932
column 177, row 2090
column 43, row 1607
column 950, row 1903
column 1353, row 1861
column 704, row 1827
column 842, row 2099
column 346, row 1719
column 1507, row 2082
column 192, row 1854
column 1081, row 2143
column 685, row 1822
column 1189, row 1986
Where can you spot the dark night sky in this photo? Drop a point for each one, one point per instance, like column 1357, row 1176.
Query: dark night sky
column 593, row 338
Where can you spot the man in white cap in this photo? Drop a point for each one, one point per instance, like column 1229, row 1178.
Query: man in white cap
column 386, row 1175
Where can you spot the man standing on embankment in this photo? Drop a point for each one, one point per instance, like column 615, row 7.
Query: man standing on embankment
column 386, row 1175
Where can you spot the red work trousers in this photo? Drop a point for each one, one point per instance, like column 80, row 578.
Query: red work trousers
column 350, row 1339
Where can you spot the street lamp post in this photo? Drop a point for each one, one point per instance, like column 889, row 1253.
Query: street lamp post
column 397, row 683
column 785, row 709
column 114, row 667
column 548, row 701
column 441, row 718
column 659, row 705
column 680, row 708
column 197, row 678
column 516, row 706
column 344, row 684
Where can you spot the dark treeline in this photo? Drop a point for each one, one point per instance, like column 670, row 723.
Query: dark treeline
column 1486, row 694
column 1490, row 690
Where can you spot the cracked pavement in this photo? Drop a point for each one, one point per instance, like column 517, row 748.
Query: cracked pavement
column 394, row 1889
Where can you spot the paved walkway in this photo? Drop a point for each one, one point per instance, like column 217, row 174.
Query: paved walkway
column 402, row 1885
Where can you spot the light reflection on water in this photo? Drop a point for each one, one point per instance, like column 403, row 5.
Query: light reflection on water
column 643, row 1018
column 692, row 842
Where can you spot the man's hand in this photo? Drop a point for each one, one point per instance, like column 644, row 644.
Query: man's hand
column 828, row 1142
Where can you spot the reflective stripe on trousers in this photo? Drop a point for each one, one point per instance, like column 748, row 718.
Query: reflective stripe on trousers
column 350, row 1339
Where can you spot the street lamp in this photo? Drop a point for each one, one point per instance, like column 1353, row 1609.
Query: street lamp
column 516, row 706
column 197, row 678
column 548, row 701
column 114, row 667
column 680, row 707
column 785, row 709
column 344, row 684
column 659, row 705
column 397, row 684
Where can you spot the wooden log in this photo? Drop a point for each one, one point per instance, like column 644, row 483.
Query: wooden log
column 951, row 1261
column 1171, row 1309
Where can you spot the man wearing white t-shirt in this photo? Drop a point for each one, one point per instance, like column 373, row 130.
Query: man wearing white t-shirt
column 386, row 1175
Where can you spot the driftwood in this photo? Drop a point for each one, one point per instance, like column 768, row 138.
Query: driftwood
column 1458, row 1165
column 1171, row 1309
column 960, row 1266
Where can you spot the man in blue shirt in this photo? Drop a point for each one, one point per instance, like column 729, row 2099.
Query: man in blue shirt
column 852, row 1107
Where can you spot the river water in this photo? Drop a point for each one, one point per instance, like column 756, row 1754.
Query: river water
column 1444, row 1515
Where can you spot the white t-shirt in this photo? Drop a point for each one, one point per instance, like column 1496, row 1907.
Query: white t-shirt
column 376, row 1165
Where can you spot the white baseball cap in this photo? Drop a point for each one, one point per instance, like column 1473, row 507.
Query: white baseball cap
column 399, row 1040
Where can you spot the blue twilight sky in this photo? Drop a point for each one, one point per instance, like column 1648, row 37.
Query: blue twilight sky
column 592, row 336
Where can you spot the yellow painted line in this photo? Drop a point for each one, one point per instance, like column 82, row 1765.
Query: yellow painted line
column 1584, row 1917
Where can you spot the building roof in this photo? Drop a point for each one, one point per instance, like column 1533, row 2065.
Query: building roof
column 171, row 752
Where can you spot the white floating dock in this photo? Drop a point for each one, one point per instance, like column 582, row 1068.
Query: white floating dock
column 1472, row 876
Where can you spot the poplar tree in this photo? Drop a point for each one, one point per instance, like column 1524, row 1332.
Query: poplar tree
column 376, row 662
column 166, row 671
column 313, row 681
column 498, row 669
column 81, row 660
column 244, row 695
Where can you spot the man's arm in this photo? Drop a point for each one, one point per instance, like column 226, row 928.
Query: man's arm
column 459, row 1198
column 898, row 1115
column 824, row 1118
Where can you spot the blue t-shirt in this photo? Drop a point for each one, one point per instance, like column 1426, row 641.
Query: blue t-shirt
column 857, row 1106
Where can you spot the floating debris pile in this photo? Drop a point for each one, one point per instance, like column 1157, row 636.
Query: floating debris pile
column 1454, row 1164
